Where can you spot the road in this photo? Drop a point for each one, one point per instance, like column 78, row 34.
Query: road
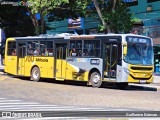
column 78, row 94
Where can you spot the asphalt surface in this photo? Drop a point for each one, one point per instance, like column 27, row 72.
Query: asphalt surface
column 78, row 94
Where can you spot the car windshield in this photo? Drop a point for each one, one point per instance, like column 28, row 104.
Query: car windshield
column 139, row 53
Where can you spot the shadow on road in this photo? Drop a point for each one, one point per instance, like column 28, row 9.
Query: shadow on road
column 128, row 88
column 105, row 85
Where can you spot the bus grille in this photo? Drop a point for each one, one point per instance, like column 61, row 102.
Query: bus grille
column 140, row 78
column 141, row 68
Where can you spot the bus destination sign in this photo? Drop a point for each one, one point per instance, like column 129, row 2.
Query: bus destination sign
column 138, row 40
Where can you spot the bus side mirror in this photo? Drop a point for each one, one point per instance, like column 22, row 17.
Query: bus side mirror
column 125, row 49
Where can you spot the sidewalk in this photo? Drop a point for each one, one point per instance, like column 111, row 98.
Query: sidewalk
column 156, row 79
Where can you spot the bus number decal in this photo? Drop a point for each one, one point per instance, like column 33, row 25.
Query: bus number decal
column 30, row 58
column 95, row 62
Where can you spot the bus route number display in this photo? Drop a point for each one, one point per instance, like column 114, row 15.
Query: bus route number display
column 94, row 61
column 138, row 40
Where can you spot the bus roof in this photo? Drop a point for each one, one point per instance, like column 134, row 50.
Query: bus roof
column 75, row 36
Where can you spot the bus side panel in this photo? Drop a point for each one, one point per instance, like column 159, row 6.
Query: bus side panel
column 119, row 74
column 59, row 68
column 70, row 70
column 11, row 64
column 64, row 66
column 72, row 73
column 79, row 68
column 45, row 64
column 28, row 65
column 50, row 67
column 10, row 61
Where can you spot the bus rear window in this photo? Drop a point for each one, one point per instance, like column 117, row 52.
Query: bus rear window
column 11, row 48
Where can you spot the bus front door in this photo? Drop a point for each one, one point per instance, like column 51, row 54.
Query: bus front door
column 21, row 58
column 60, row 70
column 110, row 61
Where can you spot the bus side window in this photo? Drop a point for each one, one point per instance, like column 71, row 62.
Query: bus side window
column 36, row 48
column 46, row 48
column 91, row 48
column 85, row 52
column 11, row 48
column 73, row 52
column 30, row 49
column 96, row 48
column 75, row 48
column 14, row 52
column 50, row 48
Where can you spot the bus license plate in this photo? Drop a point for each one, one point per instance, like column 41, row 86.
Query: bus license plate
column 142, row 81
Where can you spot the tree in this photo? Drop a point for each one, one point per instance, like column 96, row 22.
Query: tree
column 114, row 15
column 74, row 9
column 105, row 26
column 42, row 7
column 14, row 21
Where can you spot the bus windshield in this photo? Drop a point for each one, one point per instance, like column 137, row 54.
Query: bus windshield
column 139, row 53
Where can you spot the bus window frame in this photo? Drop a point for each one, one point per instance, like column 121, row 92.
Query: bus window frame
column 51, row 48
column 75, row 47
column 82, row 49
column 34, row 48
column 100, row 48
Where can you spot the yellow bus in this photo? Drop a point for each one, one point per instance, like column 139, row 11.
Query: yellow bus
column 119, row 58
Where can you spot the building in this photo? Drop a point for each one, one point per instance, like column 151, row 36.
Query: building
column 149, row 12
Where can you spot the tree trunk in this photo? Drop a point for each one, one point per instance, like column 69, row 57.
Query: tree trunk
column 34, row 21
column 100, row 15
column 43, row 31
column 114, row 4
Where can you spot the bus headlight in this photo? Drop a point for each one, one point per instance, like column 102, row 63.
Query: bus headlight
column 127, row 71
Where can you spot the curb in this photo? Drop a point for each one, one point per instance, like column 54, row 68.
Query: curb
column 156, row 79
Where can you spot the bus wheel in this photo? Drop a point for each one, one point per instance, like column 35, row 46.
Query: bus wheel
column 95, row 80
column 35, row 75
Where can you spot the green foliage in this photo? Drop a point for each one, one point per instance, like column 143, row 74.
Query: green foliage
column 43, row 7
column 118, row 19
column 15, row 21
column 136, row 20
column 101, row 28
column 74, row 9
